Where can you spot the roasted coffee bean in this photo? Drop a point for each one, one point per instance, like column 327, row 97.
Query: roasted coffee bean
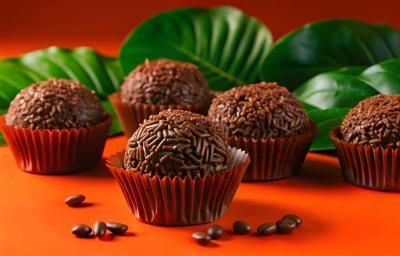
column 201, row 237
column 117, row 228
column 285, row 226
column 75, row 200
column 215, row 232
column 81, row 230
column 241, row 227
column 99, row 229
column 266, row 229
column 293, row 217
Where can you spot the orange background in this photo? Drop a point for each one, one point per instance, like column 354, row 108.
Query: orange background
column 339, row 219
column 31, row 24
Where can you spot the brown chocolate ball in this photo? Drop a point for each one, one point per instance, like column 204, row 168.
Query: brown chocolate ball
column 259, row 111
column 374, row 121
column 55, row 104
column 167, row 82
column 177, row 143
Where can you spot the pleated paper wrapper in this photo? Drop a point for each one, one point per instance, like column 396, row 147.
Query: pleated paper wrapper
column 179, row 201
column 56, row 151
column 273, row 159
column 131, row 115
column 373, row 167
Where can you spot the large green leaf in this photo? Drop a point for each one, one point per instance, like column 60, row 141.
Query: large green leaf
column 326, row 120
column 334, row 90
column 328, row 45
column 384, row 77
column 333, row 93
column 98, row 73
column 227, row 45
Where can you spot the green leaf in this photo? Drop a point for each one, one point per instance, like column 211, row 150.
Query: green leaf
column 384, row 77
column 334, row 90
column 101, row 74
column 329, row 45
column 308, row 107
column 326, row 120
column 227, row 45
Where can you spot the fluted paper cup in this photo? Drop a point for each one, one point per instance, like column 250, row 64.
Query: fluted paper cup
column 179, row 201
column 368, row 166
column 56, row 151
column 131, row 115
column 273, row 159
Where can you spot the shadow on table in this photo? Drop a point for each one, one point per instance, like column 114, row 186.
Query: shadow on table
column 320, row 171
column 100, row 172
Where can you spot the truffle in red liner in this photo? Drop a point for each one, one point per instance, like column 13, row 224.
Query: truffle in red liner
column 56, row 127
column 178, row 170
column 267, row 121
column 367, row 143
column 158, row 85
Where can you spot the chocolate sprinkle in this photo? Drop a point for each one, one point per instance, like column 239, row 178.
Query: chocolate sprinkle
column 374, row 121
column 167, row 82
column 177, row 143
column 263, row 110
column 55, row 104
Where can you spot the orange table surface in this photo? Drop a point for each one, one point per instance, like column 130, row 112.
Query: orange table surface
column 339, row 219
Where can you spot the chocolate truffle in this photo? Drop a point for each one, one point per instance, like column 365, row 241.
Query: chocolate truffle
column 259, row 111
column 166, row 82
column 177, row 143
column 375, row 121
column 55, row 104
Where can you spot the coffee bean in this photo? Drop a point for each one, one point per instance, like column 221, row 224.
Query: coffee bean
column 215, row 232
column 293, row 217
column 241, row 227
column 285, row 226
column 99, row 229
column 266, row 229
column 81, row 230
column 201, row 237
column 117, row 228
column 75, row 200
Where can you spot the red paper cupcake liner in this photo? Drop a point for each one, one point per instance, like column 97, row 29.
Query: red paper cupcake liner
column 368, row 166
column 132, row 115
column 56, row 151
column 273, row 159
column 179, row 201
